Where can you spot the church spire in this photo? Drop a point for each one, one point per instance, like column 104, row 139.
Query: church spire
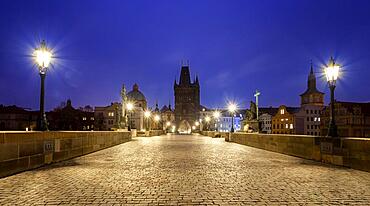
column 311, row 83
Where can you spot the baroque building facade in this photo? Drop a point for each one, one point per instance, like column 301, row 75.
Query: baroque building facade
column 312, row 104
column 352, row 119
column 187, row 101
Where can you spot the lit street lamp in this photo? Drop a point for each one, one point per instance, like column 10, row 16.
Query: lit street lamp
column 232, row 108
column 147, row 115
column 331, row 73
column 130, row 107
column 207, row 119
column 216, row 116
column 43, row 58
column 157, row 118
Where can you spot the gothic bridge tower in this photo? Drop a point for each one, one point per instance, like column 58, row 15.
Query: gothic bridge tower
column 187, row 100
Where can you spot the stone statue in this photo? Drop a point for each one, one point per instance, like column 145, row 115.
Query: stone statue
column 251, row 113
column 123, row 116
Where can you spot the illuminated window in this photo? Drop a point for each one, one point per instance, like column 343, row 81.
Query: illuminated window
column 111, row 114
column 282, row 111
column 286, row 126
column 318, row 119
column 291, row 126
column 282, row 120
column 83, row 118
column 92, row 118
column 315, row 119
column 286, row 119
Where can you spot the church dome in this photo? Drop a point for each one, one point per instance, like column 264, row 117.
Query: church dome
column 135, row 94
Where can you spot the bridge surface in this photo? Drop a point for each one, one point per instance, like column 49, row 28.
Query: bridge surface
column 185, row 170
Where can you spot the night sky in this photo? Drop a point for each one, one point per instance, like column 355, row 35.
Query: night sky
column 235, row 47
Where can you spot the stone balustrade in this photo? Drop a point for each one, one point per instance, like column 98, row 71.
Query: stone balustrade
column 353, row 152
column 20, row 151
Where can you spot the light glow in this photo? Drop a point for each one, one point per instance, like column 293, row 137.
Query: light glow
column 232, row 107
column 207, row 118
column 157, row 118
column 216, row 114
column 332, row 71
column 147, row 114
column 129, row 106
column 42, row 56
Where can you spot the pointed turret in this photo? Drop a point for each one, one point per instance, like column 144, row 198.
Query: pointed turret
column 196, row 80
column 312, row 95
column 185, row 76
column 311, row 83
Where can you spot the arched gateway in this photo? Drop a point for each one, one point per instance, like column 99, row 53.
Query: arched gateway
column 184, row 127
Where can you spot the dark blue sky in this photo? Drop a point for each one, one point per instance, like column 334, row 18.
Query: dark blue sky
column 234, row 46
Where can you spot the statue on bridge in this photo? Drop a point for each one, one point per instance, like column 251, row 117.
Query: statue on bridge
column 123, row 116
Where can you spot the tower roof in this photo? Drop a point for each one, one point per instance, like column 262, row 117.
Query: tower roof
column 311, row 83
column 185, row 76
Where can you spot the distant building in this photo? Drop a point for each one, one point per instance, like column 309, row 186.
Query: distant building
column 107, row 118
column 265, row 118
column 168, row 117
column 312, row 103
column 284, row 122
column 136, row 116
column 225, row 121
column 352, row 119
column 187, row 100
column 16, row 118
column 66, row 117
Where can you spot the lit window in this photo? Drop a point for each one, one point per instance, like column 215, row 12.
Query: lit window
column 83, row 118
column 286, row 126
column 282, row 111
column 286, row 119
column 291, row 126
column 282, row 120
column 92, row 118
column 315, row 119
column 318, row 119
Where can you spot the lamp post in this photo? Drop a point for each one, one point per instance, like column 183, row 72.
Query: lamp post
column 157, row 118
column 258, row 122
column 207, row 119
column 232, row 108
column 43, row 58
column 130, row 107
column 216, row 116
column 331, row 73
column 147, row 115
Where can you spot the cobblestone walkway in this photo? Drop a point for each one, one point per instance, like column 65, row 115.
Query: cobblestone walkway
column 186, row 170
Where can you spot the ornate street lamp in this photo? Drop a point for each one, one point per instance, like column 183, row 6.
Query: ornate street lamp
column 232, row 109
column 130, row 107
column 147, row 115
column 331, row 73
column 43, row 57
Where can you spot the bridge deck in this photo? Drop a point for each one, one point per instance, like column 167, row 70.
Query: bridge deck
column 184, row 169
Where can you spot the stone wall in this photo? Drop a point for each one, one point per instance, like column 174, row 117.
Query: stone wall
column 20, row 151
column 156, row 133
column 215, row 134
column 353, row 152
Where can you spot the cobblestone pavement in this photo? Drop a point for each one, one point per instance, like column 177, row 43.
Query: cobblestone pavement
column 186, row 170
